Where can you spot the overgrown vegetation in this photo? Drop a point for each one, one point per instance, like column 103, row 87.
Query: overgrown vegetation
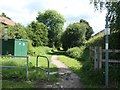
column 90, row 76
column 83, row 66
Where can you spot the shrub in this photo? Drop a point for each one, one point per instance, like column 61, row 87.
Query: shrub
column 30, row 48
column 99, row 40
column 76, row 52
column 96, row 40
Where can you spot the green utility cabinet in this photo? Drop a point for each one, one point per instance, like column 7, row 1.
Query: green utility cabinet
column 16, row 47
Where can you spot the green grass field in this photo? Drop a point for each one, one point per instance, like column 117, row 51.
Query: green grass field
column 16, row 78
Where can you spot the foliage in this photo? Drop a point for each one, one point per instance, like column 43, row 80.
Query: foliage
column 16, row 84
column 98, row 40
column 113, row 8
column 89, row 30
column 54, row 22
column 41, row 50
column 17, row 32
column 30, row 48
column 84, row 70
column 100, row 4
column 74, row 35
column 37, row 32
column 114, row 16
column 91, row 78
column 114, row 43
column 76, row 52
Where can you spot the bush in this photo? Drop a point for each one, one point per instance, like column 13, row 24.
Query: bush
column 99, row 40
column 30, row 48
column 76, row 52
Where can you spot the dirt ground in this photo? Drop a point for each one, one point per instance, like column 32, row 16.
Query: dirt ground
column 68, row 79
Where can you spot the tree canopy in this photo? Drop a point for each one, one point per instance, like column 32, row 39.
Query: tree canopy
column 76, row 34
column 114, row 16
column 54, row 22
column 89, row 30
column 73, row 36
column 17, row 32
column 37, row 32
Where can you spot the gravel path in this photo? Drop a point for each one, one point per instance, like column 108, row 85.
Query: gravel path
column 68, row 78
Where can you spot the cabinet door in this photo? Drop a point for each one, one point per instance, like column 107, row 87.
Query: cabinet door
column 20, row 48
column 24, row 48
column 17, row 49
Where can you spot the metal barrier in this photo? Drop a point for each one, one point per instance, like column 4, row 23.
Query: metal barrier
column 16, row 66
column 48, row 71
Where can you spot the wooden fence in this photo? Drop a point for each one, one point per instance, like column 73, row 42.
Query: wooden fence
column 96, row 54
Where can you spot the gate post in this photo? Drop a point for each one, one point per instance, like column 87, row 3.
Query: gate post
column 100, row 57
column 95, row 58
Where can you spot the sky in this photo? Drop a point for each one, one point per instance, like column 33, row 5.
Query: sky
column 25, row 11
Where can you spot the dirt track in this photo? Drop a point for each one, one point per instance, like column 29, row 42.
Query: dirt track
column 68, row 78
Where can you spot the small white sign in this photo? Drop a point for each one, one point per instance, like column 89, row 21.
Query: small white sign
column 23, row 44
column 19, row 43
column 107, row 31
column 106, row 46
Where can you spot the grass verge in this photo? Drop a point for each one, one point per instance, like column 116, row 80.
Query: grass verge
column 91, row 78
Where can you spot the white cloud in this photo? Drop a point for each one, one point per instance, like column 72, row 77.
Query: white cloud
column 97, row 21
column 25, row 11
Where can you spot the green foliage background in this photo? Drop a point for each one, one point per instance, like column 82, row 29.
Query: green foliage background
column 54, row 22
column 37, row 32
column 76, row 34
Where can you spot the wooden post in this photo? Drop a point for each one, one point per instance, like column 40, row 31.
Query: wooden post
column 90, row 51
column 100, row 57
column 95, row 58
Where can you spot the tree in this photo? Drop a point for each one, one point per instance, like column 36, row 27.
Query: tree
column 89, row 30
column 54, row 22
column 74, row 35
column 38, row 33
column 114, row 16
column 17, row 32
column 113, row 12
